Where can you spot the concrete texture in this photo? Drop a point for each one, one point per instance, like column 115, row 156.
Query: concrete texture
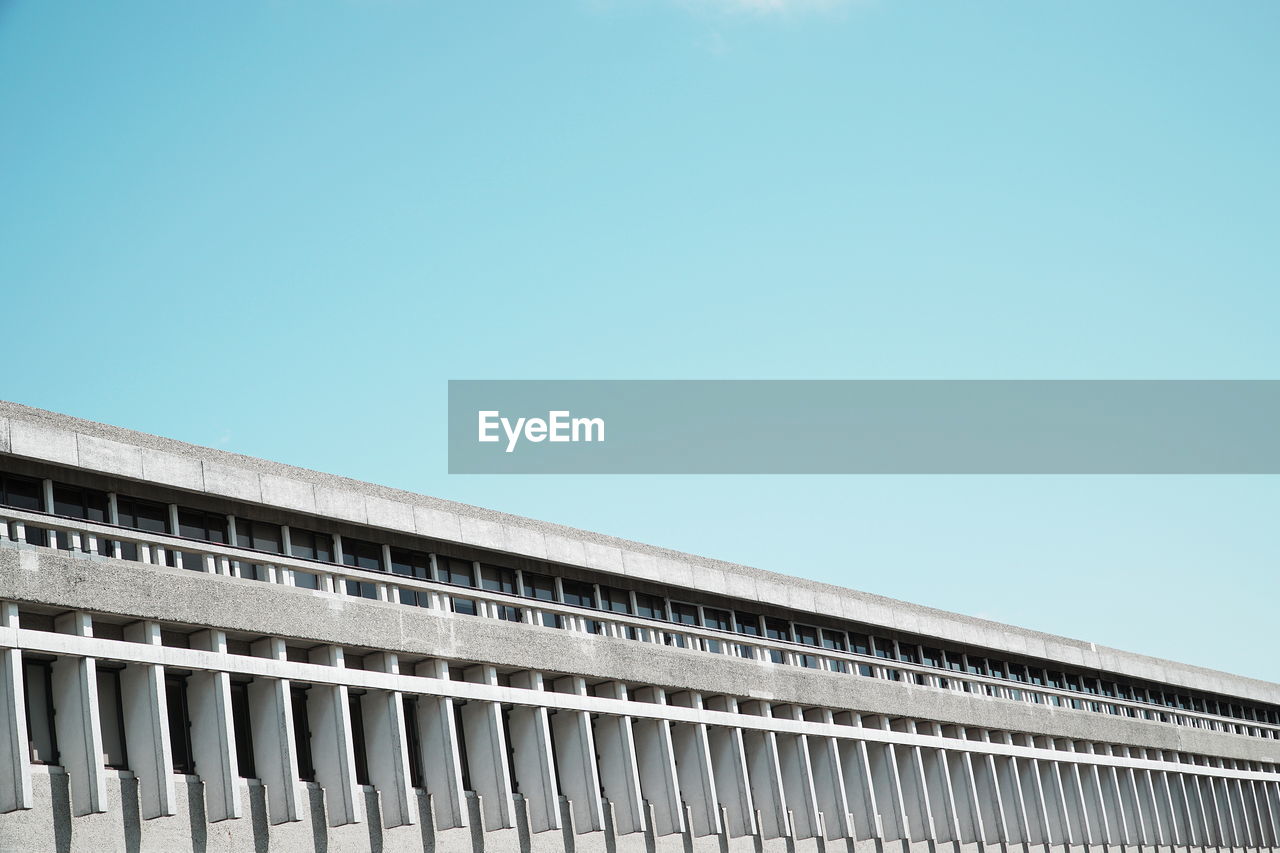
column 41, row 435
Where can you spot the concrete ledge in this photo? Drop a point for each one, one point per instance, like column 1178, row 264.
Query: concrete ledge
column 140, row 591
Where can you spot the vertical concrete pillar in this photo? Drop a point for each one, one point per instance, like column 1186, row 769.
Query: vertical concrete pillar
column 146, row 723
column 386, row 745
column 275, row 754
column 729, row 767
column 576, row 751
column 15, row 761
column 860, row 789
column 694, row 770
column 441, row 756
column 828, row 779
column 619, row 771
column 765, row 774
column 921, row 803
column 535, row 774
column 796, row 771
column 655, row 754
column 487, row 754
column 332, row 751
column 75, row 698
column 213, row 738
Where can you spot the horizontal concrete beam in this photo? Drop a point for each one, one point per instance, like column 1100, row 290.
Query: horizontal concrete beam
column 141, row 591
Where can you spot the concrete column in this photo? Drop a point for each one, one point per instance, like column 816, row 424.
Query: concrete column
column 386, row 744
column 487, row 754
column 530, row 733
column 655, row 754
column 332, row 751
column 213, row 739
column 576, row 751
column 15, row 760
column 619, row 771
column 275, row 754
column 146, row 722
column 921, row 803
column 860, row 789
column 694, row 770
column 765, row 774
column 828, row 779
column 797, row 778
column 75, row 700
column 441, row 756
column 729, row 767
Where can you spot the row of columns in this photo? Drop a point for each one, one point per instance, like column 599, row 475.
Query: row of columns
column 629, row 774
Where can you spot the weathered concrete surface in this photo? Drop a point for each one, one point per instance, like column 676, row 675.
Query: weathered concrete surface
column 43, row 435
column 142, row 591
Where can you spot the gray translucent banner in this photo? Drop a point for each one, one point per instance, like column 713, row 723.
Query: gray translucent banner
column 864, row 427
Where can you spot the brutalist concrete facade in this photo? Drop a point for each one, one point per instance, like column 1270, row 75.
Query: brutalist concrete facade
column 208, row 652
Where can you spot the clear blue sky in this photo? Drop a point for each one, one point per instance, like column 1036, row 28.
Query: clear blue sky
column 280, row 227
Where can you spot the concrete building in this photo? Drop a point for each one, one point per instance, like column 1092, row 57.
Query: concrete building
column 201, row 651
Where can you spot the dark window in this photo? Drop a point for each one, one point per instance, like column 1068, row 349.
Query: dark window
column 578, row 594
column 931, row 657
column 242, row 724
column 362, row 555
column 746, row 623
column 996, row 668
column 834, row 640
column 111, row 719
column 955, row 661
column 777, row 629
column 76, row 502
column 807, row 635
column 858, row 644
column 539, row 587
column 907, row 652
column 197, row 524
column 1018, row 672
column 21, row 492
column 455, row 571
column 412, row 564
column 305, row 580
column 362, row 589
column 310, row 545
column 685, row 614
column 302, row 734
column 883, row 647
column 357, row 737
column 498, row 579
column 414, row 742
column 615, row 600
column 142, row 515
column 975, row 665
column 179, row 724
column 650, row 606
column 37, row 684
column 717, row 619
column 258, row 535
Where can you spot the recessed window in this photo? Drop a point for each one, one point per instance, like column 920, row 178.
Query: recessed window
column 650, row 606
column 77, row 502
column 309, row 545
column 807, row 635
column 498, row 579
column 142, row 515
column 716, row 619
column 539, row 586
column 578, row 594
column 258, row 535
column 685, row 614
column 615, row 600
column 362, row 554
column 746, row 623
column 21, row 492
column 198, row 524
